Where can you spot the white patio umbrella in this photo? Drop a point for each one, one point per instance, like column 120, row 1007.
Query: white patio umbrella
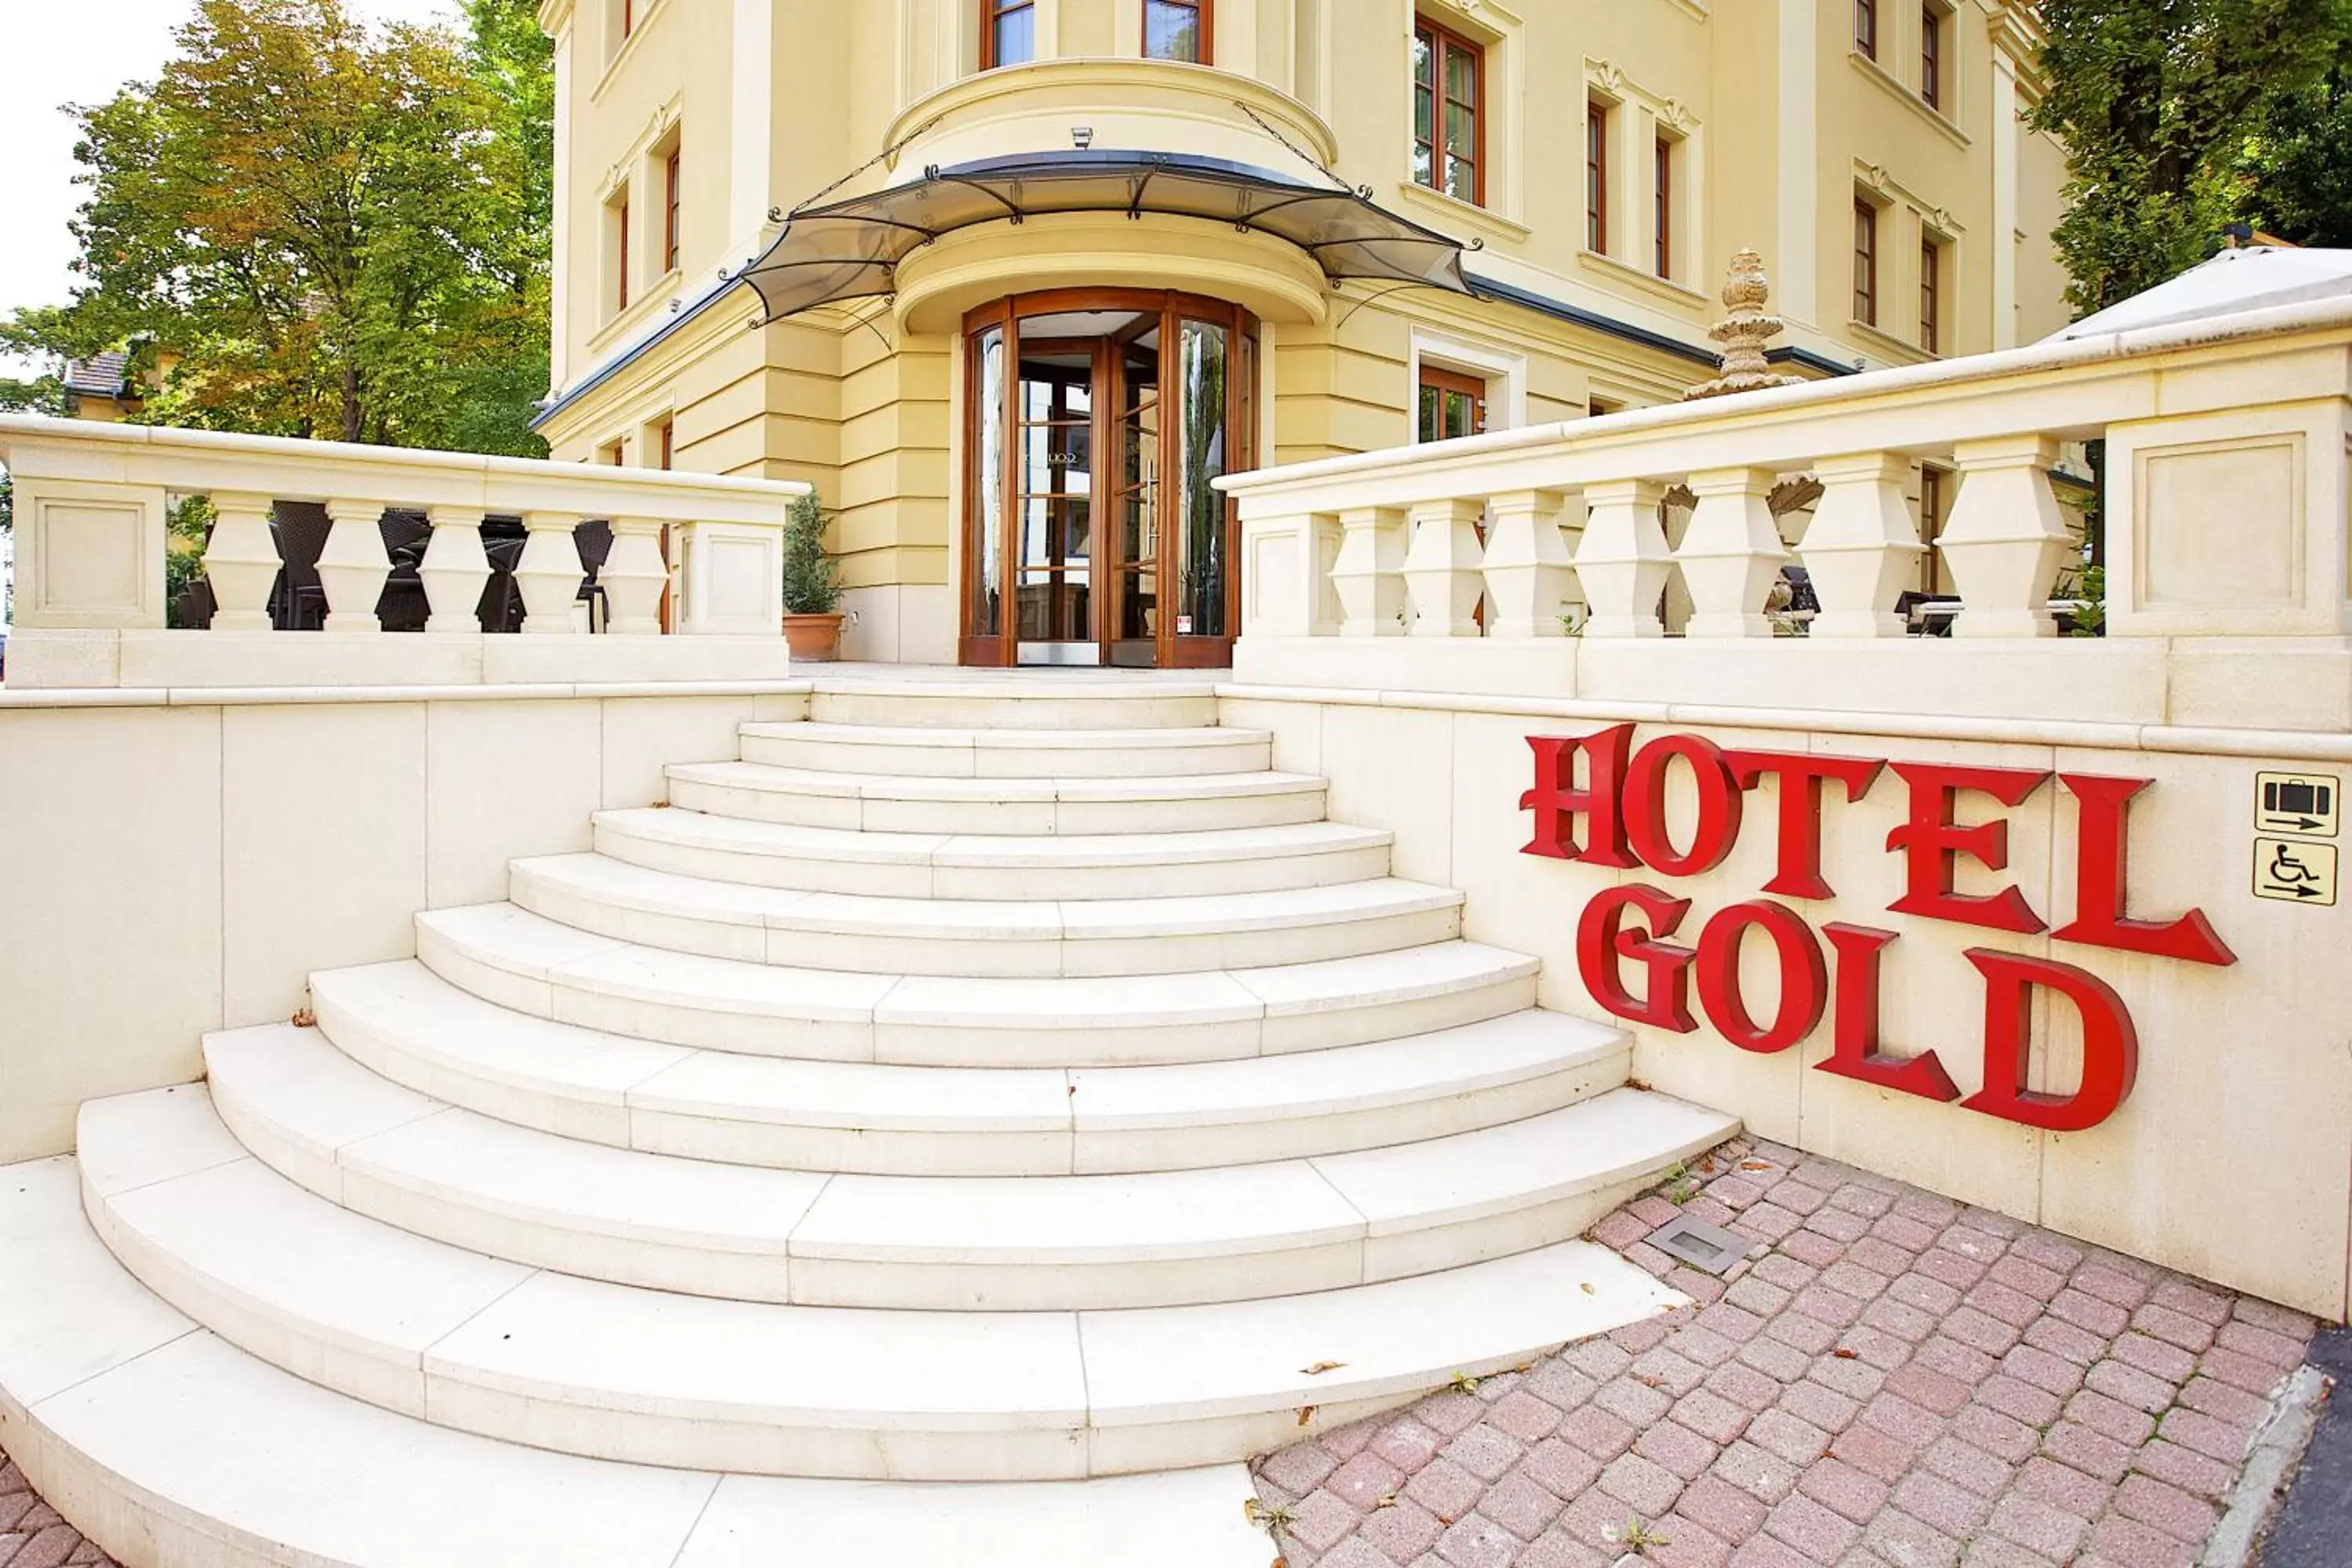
column 2235, row 281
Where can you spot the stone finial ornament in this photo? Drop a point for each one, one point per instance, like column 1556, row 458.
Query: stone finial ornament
column 1743, row 334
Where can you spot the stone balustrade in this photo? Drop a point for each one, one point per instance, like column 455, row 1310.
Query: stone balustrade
column 1514, row 562
column 92, row 501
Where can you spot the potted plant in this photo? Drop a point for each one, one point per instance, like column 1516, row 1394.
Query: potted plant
column 812, row 586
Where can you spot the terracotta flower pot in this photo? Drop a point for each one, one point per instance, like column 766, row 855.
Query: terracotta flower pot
column 816, row 638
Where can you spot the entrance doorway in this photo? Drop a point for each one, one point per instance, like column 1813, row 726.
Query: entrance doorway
column 1093, row 535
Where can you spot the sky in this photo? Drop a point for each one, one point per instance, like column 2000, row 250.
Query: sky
column 52, row 55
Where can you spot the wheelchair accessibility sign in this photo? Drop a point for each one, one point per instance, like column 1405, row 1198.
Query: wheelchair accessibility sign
column 2295, row 870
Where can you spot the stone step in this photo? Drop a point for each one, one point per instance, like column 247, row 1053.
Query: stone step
column 939, row 1243
column 983, row 937
column 1007, row 754
column 937, row 866
column 1030, row 808
column 1010, row 702
column 172, row 1449
column 404, row 1023
column 610, row 1372
column 522, row 960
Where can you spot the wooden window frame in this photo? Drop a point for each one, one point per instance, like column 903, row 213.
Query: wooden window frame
column 621, row 291
column 1173, row 650
column 1662, row 201
column 1931, row 294
column 1443, row 42
column 1441, row 380
column 1932, row 504
column 1205, row 16
column 1865, row 261
column 628, row 20
column 1596, row 175
column 1931, row 55
column 1865, row 28
column 669, row 217
column 992, row 12
column 668, row 444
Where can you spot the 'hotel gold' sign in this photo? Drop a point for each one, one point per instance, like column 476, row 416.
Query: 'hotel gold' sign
column 1617, row 818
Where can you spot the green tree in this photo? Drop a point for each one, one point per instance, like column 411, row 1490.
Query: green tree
column 2154, row 102
column 338, row 233
column 2296, row 176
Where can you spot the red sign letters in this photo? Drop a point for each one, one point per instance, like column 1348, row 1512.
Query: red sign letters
column 1616, row 817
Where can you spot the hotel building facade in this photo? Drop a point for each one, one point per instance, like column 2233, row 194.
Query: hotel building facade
column 1027, row 275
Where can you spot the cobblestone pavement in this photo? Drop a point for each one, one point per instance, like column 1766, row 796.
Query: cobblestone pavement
column 31, row 1533
column 1892, row 1380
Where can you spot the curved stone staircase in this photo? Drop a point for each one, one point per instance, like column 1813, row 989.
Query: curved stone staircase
column 978, row 1083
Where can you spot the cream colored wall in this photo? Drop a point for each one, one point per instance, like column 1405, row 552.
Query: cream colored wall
column 2040, row 275
column 176, row 868
column 1922, row 170
column 825, row 85
column 2240, row 1123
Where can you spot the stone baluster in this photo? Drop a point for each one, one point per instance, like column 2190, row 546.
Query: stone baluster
column 1730, row 553
column 353, row 565
column 1442, row 584
column 1369, row 574
column 455, row 569
column 2006, row 539
column 1529, row 578
column 1622, row 559
column 241, row 562
column 1862, row 548
column 633, row 576
column 549, row 573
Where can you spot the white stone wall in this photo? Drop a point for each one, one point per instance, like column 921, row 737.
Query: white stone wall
column 175, row 863
column 2230, row 1159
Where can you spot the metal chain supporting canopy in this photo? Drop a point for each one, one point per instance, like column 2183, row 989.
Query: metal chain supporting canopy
column 851, row 249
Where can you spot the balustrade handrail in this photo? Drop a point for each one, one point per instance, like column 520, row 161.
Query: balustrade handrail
column 2225, row 501
column 196, row 462
column 324, row 536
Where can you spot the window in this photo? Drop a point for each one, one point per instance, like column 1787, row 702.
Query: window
column 669, row 216
column 1931, row 295
column 1178, row 30
column 1452, row 404
column 1865, row 262
column 1596, row 176
column 1866, row 27
column 613, row 456
column 617, row 237
column 1931, row 57
column 1665, row 206
column 628, row 17
column 1448, row 116
column 1008, row 33
column 1931, row 527
column 668, row 444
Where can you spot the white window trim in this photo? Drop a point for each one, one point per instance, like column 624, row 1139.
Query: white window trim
column 1639, row 117
column 1503, row 372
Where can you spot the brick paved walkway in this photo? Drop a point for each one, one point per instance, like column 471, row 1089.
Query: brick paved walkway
column 31, row 1533
column 1895, row 1380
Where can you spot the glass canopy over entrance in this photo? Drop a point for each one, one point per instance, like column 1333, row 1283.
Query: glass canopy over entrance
column 1093, row 534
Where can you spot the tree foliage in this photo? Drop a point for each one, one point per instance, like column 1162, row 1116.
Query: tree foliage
column 334, row 231
column 2154, row 102
column 2295, row 175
